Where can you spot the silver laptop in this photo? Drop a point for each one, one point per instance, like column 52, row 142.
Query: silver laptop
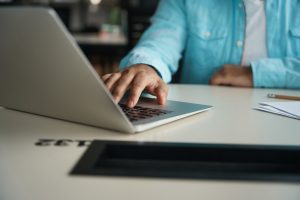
column 43, row 71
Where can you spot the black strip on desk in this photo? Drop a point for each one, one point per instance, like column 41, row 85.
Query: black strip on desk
column 191, row 161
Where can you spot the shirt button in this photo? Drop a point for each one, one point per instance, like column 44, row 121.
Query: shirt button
column 241, row 5
column 239, row 43
column 207, row 34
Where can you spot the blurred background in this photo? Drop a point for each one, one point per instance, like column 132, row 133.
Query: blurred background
column 104, row 29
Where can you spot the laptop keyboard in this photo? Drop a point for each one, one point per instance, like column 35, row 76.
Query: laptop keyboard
column 138, row 112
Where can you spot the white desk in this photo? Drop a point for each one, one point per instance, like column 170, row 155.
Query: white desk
column 31, row 172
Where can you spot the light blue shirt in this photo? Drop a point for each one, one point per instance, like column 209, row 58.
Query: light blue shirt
column 210, row 33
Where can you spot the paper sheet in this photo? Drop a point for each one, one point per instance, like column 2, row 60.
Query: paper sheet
column 288, row 109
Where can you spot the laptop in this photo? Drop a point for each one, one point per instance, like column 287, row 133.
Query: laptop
column 44, row 72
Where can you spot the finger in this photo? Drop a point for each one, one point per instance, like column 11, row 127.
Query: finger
column 161, row 93
column 138, row 85
column 221, row 78
column 160, row 90
column 105, row 77
column 122, row 85
column 225, row 81
column 112, row 80
column 215, row 80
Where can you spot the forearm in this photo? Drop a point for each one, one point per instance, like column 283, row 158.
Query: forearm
column 162, row 44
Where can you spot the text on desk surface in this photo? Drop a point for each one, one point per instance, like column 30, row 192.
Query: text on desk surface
column 62, row 143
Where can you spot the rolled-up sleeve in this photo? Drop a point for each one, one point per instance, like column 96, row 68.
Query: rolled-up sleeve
column 277, row 73
column 162, row 43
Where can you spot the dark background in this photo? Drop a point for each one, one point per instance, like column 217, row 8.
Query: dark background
column 123, row 20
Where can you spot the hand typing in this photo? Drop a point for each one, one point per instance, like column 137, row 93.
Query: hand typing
column 136, row 79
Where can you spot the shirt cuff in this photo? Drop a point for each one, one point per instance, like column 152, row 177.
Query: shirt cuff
column 268, row 73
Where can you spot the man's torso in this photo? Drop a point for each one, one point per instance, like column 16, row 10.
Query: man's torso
column 217, row 34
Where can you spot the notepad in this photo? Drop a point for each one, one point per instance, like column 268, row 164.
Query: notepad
column 289, row 109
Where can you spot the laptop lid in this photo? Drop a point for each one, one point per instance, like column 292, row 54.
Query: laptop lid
column 43, row 71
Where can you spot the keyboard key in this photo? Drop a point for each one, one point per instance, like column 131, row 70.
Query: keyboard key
column 138, row 112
